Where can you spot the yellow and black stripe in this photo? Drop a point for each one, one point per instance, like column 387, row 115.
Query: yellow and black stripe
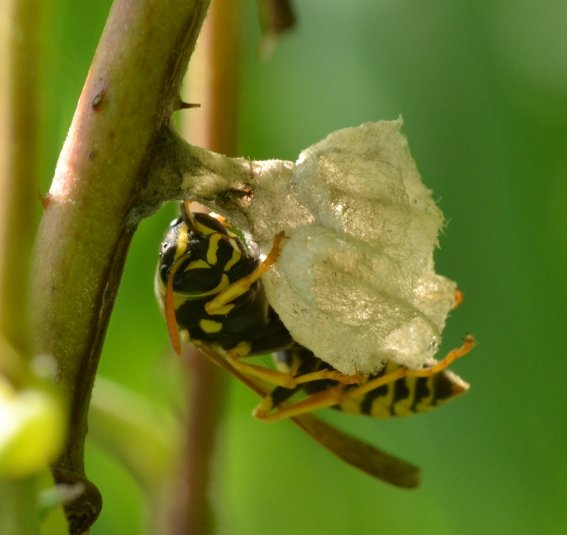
column 207, row 257
column 402, row 397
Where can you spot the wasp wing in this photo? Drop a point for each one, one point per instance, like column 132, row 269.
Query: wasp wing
column 361, row 455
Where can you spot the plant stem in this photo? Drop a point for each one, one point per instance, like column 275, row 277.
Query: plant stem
column 20, row 53
column 128, row 97
column 192, row 512
column 213, row 80
column 19, row 94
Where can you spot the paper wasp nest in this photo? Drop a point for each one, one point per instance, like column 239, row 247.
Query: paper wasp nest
column 355, row 282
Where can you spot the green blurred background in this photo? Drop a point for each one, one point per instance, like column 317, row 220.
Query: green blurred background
column 482, row 87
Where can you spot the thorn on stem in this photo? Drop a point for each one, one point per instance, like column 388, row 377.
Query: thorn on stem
column 187, row 105
column 44, row 199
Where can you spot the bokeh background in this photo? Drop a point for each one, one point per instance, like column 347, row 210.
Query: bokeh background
column 482, row 87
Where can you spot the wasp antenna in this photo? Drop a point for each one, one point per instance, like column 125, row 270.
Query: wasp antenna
column 169, row 308
column 274, row 253
column 187, row 215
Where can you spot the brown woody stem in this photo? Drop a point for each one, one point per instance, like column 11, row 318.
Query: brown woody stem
column 93, row 207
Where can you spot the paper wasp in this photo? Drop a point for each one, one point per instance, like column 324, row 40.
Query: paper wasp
column 208, row 284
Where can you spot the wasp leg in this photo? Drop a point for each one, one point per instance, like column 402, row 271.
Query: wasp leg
column 458, row 299
column 288, row 379
column 321, row 400
column 169, row 307
column 241, row 286
column 268, row 411
column 402, row 372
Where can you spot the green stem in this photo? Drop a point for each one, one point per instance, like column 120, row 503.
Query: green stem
column 20, row 48
column 192, row 511
column 20, row 52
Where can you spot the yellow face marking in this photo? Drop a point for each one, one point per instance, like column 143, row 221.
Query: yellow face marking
column 236, row 256
column 210, row 326
column 203, row 229
column 213, row 248
column 182, row 239
column 181, row 297
column 197, row 264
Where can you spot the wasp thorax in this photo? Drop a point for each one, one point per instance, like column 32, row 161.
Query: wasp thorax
column 355, row 281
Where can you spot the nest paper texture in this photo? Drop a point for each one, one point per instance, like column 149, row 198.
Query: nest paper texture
column 355, row 281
